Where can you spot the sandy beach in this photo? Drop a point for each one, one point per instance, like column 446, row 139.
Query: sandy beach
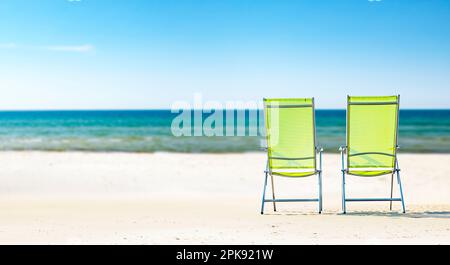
column 166, row 198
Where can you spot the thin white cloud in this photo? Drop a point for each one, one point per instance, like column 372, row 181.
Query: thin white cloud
column 71, row 48
column 8, row 45
column 56, row 48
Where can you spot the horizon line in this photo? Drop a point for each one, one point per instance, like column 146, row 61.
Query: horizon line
column 167, row 109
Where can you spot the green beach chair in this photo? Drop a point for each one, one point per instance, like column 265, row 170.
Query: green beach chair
column 291, row 144
column 371, row 150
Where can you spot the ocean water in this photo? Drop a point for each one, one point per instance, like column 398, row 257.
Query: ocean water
column 150, row 131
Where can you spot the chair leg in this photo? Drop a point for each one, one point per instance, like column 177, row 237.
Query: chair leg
column 264, row 194
column 344, row 209
column 401, row 190
column 273, row 195
column 320, row 192
column 392, row 190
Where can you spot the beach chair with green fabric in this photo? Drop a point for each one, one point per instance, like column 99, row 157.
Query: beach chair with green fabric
column 291, row 145
column 372, row 143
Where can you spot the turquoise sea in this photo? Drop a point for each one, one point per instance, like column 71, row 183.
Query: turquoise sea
column 150, row 131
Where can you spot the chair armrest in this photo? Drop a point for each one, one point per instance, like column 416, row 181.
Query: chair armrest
column 264, row 145
column 343, row 150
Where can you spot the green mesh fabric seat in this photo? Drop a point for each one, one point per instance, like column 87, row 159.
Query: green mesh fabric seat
column 369, row 173
column 291, row 143
column 294, row 174
column 372, row 134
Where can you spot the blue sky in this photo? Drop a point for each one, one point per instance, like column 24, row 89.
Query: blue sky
column 110, row 54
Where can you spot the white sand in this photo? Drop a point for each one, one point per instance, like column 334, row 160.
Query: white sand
column 86, row 198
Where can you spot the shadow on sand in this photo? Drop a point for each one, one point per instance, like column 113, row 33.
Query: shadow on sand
column 427, row 214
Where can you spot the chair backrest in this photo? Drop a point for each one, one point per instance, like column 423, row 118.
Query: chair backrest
column 372, row 131
column 291, row 136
